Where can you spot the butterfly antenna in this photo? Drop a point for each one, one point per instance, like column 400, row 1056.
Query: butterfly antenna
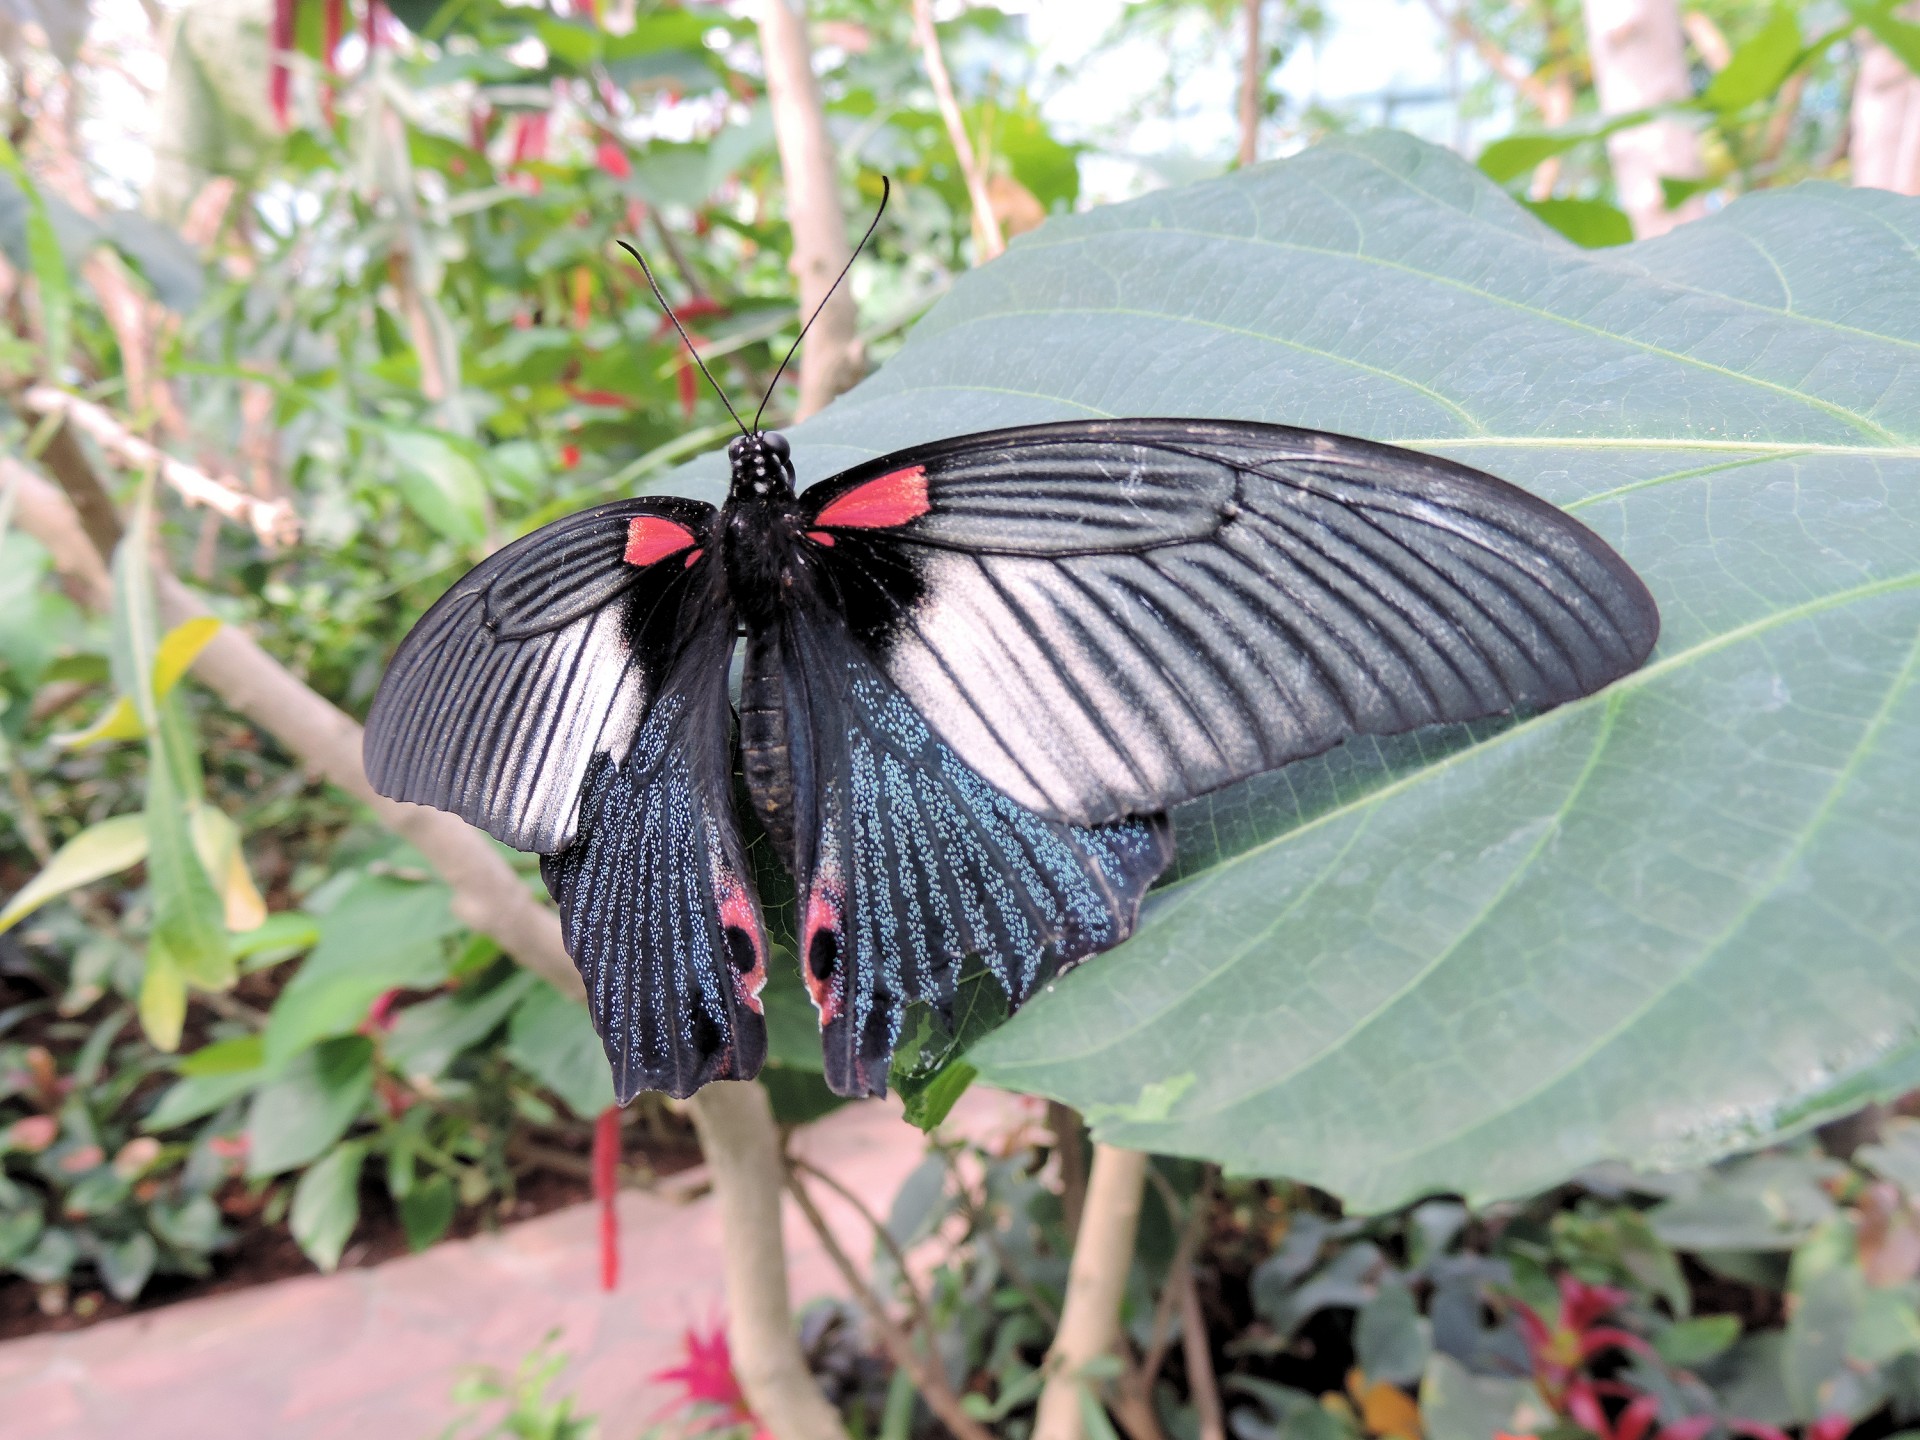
column 667, row 309
column 886, row 189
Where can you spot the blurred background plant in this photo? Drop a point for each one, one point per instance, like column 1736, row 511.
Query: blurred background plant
column 339, row 275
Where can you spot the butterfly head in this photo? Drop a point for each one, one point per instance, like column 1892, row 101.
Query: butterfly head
column 762, row 466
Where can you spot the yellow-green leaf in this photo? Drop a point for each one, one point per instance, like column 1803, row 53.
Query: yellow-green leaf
column 180, row 648
column 217, row 841
column 120, row 721
column 96, row 852
column 163, row 997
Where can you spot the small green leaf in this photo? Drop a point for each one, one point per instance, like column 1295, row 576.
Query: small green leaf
column 1900, row 36
column 297, row 1116
column 1689, row 1344
column 223, row 1057
column 1456, row 1404
column 119, row 721
column 381, row 934
column 440, row 485
column 552, row 1040
column 198, row 1096
column 1390, row 1337
column 427, row 1210
column 427, row 1037
column 279, row 937
column 104, row 848
column 326, row 1205
column 1758, row 67
column 52, row 1257
column 1512, row 156
column 50, row 271
column 163, row 996
column 127, row 1265
column 179, row 649
column 1592, row 224
column 934, row 1101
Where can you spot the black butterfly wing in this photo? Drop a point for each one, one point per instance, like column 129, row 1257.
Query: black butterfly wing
column 541, row 657
column 907, row 862
column 656, row 897
column 1106, row 618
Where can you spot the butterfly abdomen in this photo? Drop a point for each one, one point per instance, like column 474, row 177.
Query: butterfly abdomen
column 765, row 756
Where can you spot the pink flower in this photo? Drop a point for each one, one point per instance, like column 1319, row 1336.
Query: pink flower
column 706, row 1377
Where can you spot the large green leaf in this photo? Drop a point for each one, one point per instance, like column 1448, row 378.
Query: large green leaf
column 1658, row 924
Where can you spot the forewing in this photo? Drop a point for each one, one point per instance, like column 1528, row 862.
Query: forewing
column 908, row 863
column 656, row 901
column 1104, row 619
column 542, row 656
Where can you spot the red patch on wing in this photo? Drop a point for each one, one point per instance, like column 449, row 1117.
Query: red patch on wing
column 823, row 913
column 893, row 499
column 654, row 537
column 691, row 557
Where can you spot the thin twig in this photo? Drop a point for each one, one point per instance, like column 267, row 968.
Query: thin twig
column 925, row 1372
column 273, row 521
column 892, row 1246
column 1160, row 1338
column 977, row 1219
column 1202, row 1388
column 992, row 241
column 1509, row 68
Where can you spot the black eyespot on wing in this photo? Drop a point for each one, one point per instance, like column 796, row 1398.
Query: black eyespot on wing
column 541, row 657
column 1103, row 619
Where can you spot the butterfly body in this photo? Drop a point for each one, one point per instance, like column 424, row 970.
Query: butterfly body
column 976, row 675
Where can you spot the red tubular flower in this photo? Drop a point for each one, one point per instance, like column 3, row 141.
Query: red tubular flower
column 1827, row 1427
column 279, row 79
column 569, row 455
column 606, row 1185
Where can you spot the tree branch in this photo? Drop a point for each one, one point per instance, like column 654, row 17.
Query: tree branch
column 1639, row 62
column 832, row 359
column 272, row 520
column 1096, row 1284
column 986, row 224
column 925, row 1371
column 488, row 894
column 742, row 1146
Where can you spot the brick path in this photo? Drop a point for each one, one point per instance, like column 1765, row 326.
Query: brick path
column 372, row 1354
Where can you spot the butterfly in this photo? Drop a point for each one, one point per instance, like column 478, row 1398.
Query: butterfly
column 974, row 677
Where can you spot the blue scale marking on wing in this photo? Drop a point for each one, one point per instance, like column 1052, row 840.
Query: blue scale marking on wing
column 1006, row 864
column 640, row 922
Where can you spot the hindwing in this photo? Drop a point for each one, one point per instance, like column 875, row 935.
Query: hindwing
column 908, row 863
column 1106, row 618
column 656, row 901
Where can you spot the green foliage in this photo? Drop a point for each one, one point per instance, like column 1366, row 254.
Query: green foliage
column 498, row 1406
column 81, row 1188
